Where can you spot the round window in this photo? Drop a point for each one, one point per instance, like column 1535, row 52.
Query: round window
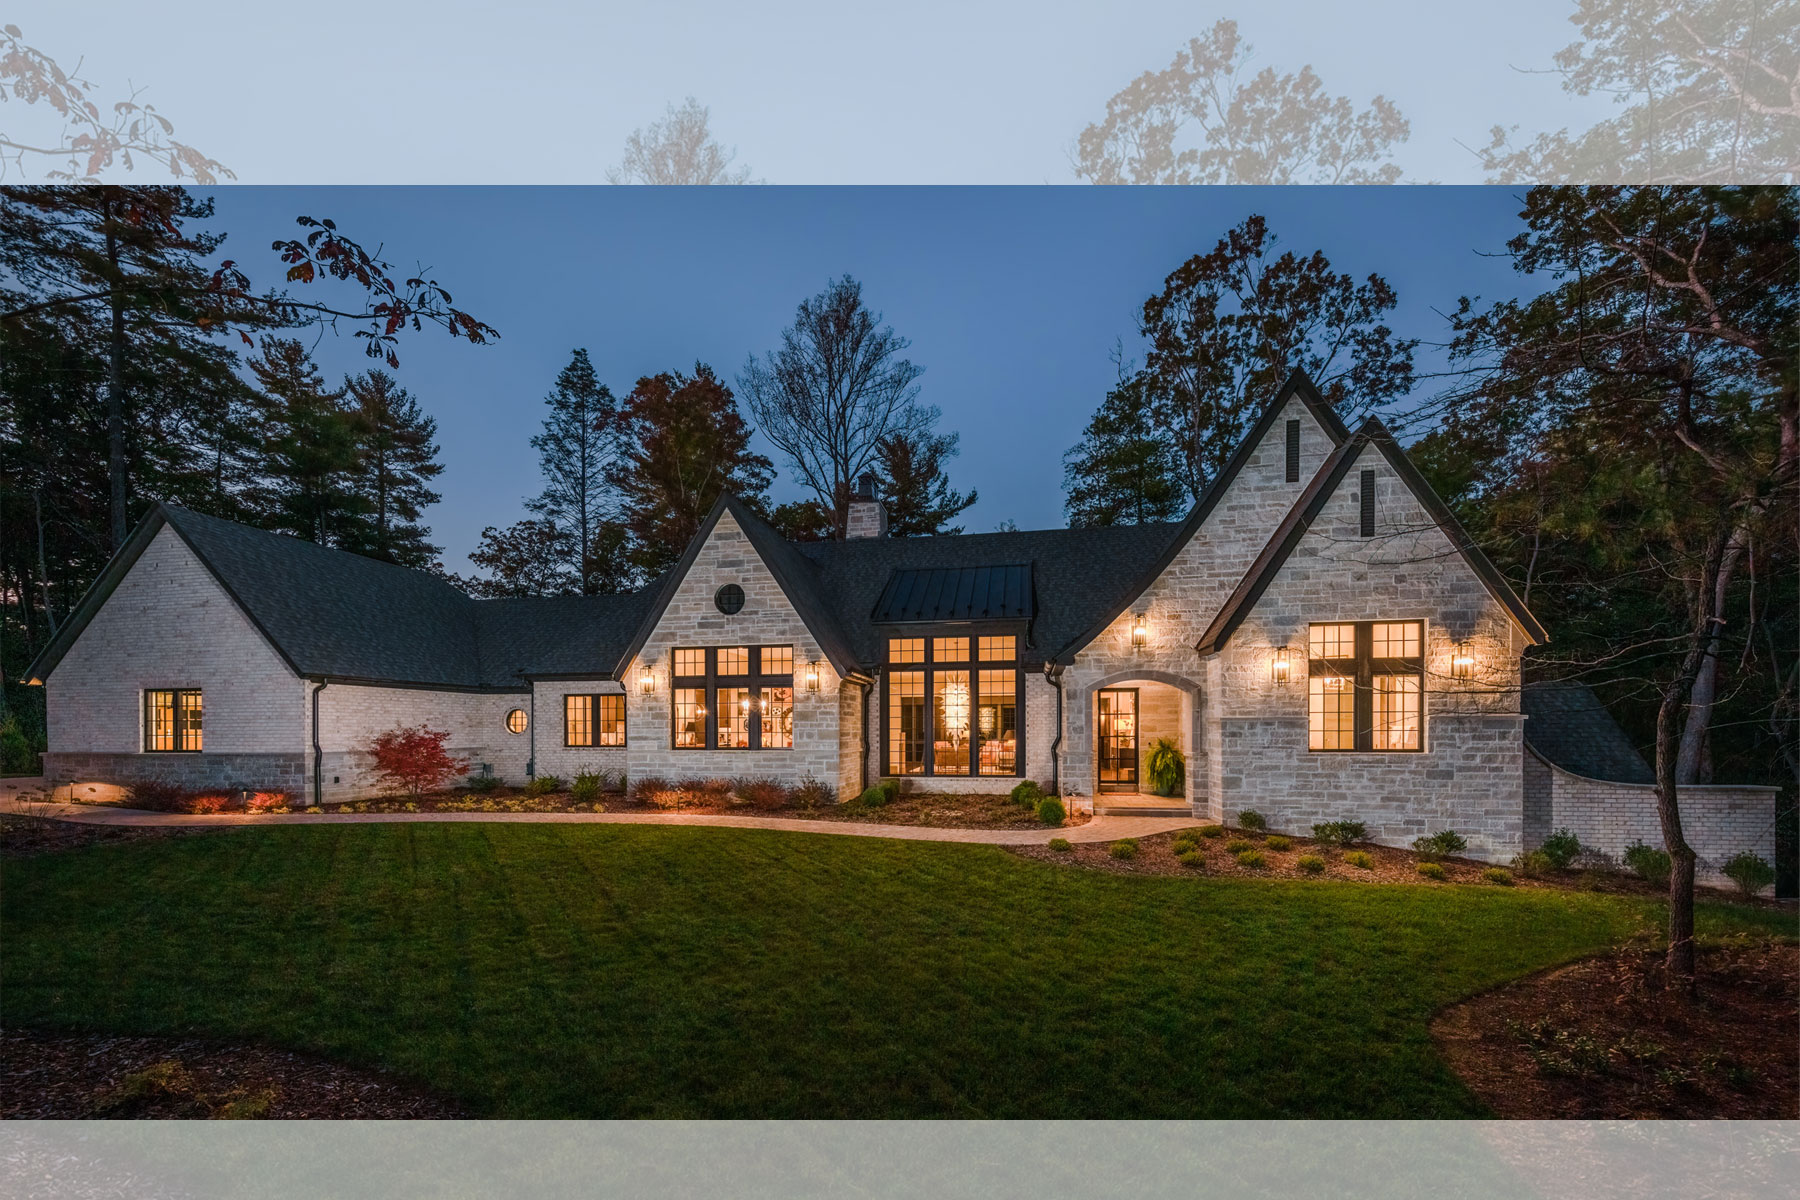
column 729, row 599
column 516, row 720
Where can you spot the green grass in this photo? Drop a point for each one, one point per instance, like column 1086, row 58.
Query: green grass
column 590, row 970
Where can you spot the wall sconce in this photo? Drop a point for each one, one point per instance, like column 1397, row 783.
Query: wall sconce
column 647, row 679
column 1140, row 633
column 812, row 676
column 1281, row 666
column 1462, row 661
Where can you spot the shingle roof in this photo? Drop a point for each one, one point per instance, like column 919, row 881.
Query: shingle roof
column 956, row 594
column 1567, row 724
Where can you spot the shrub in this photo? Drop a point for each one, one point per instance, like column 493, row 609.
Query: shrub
column 1061, row 845
column 1183, row 841
column 1212, row 831
column 1278, row 843
column 1166, row 766
column 646, row 787
column 17, row 755
column 1649, row 863
column 1437, row 845
column 158, row 796
column 811, row 793
column 412, row 759
column 1252, row 859
column 1312, row 864
column 1027, row 793
column 1238, row 846
column 1123, row 848
column 1360, row 859
column 1431, row 870
column 761, row 793
column 1193, row 860
column 586, row 786
column 482, row 783
column 1561, row 848
column 209, row 802
column 1050, row 811
column 1498, row 875
column 1251, row 819
column 266, row 801
column 891, row 787
column 873, row 797
column 1533, row 864
column 543, row 785
column 1749, row 871
column 1340, row 833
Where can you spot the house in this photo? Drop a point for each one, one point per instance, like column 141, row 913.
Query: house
column 1319, row 638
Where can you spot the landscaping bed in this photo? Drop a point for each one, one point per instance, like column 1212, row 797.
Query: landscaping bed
column 70, row 1076
column 1604, row 1038
column 22, row 835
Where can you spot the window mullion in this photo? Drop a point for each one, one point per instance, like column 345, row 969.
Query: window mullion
column 1365, row 686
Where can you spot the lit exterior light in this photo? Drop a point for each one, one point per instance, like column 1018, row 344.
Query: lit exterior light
column 647, row 679
column 812, row 676
column 1140, row 633
column 1281, row 666
column 1462, row 661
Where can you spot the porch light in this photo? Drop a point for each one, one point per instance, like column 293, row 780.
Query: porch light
column 647, row 679
column 1281, row 666
column 1140, row 633
column 1462, row 661
column 812, row 676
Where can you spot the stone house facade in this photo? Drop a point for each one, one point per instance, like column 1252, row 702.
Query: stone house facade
column 1318, row 638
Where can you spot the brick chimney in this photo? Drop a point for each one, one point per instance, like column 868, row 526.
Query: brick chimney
column 867, row 518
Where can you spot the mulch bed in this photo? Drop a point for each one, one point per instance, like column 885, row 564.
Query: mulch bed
column 23, row 836
column 68, row 1076
column 1603, row 1038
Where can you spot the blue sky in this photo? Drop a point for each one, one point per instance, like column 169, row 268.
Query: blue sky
column 1013, row 297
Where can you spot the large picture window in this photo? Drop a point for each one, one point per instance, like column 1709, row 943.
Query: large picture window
column 734, row 698
column 1366, row 686
column 594, row 720
column 172, row 720
column 952, row 706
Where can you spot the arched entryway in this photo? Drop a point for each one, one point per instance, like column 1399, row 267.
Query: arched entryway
column 1128, row 713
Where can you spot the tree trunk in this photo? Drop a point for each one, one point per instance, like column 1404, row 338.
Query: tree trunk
column 37, row 506
column 1692, row 756
column 115, row 394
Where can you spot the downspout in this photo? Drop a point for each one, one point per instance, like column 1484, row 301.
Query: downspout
column 318, row 751
column 531, row 729
column 868, row 748
column 1053, row 673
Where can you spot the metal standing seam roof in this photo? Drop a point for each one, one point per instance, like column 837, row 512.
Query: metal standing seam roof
column 956, row 594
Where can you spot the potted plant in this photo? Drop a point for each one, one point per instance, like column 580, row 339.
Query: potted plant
column 1167, row 768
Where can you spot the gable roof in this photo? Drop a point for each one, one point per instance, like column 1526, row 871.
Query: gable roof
column 1569, row 726
column 956, row 594
column 1306, row 509
column 1299, row 385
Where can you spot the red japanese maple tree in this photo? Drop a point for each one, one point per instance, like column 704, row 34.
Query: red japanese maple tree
column 413, row 759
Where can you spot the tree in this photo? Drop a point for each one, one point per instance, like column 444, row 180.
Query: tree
column 686, row 445
column 414, row 760
column 835, row 390
column 679, row 149
column 914, row 487
column 396, row 460
column 579, row 454
column 1231, row 324
column 1126, row 470
column 801, row 521
column 312, row 444
column 1713, row 89
column 1273, row 129
column 527, row 558
column 1654, row 387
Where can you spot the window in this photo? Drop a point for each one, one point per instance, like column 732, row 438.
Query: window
column 729, row 599
column 1365, row 686
column 594, row 720
column 754, row 710
column 950, row 719
column 172, row 720
column 516, row 721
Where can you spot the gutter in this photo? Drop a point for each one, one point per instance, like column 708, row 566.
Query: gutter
column 1053, row 672
column 318, row 751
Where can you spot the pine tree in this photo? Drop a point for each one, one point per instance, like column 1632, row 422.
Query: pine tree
column 396, row 461
column 917, row 492
column 1126, row 470
column 578, row 454
column 311, row 441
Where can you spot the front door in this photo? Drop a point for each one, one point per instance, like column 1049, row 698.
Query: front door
column 1118, row 727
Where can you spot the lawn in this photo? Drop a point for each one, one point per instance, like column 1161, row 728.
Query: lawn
column 619, row 971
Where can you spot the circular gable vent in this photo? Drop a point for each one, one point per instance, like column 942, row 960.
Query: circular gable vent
column 729, row 599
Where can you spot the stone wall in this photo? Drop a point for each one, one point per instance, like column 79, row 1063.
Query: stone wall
column 280, row 772
column 170, row 625
column 1718, row 820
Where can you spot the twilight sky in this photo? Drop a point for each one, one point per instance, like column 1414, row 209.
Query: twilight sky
column 1012, row 297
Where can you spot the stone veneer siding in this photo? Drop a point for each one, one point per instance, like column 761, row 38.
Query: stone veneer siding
column 1719, row 820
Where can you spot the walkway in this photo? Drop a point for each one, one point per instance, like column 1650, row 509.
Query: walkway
column 1099, row 829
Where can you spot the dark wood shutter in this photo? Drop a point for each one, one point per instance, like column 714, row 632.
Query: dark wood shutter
column 1368, row 504
column 1293, row 452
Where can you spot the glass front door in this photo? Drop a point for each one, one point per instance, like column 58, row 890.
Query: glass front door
column 1118, row 726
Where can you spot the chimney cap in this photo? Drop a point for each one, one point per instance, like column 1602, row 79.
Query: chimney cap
column 865, row 486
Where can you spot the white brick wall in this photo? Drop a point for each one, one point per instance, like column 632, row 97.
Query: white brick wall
column 351, row 716
column 554, row 758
